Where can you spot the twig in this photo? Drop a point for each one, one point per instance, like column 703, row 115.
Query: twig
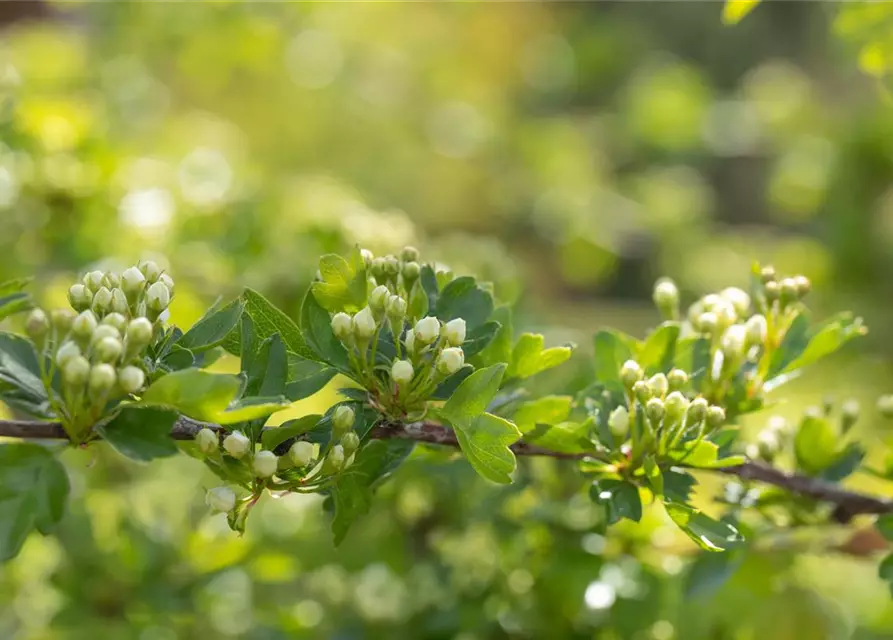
column 847, row 504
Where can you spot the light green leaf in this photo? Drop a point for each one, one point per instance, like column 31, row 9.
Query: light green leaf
column 208, row 397
column 267, row 320
column 611, row 351
column 418, row 301
column 658, row 351
column 707, row 533
column 548, row 410
column 473, row 396
column 695, row 454
column 654, row 476
column 141, row 433
column 734, row 10
column 343, row 286
column 815, row 444
column 792, row 346
column 529, row 357
column 212, row 328
column 485, row 441
column 833, row 334
column 500, row 348
column 620, row 499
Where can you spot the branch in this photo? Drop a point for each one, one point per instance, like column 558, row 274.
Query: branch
column 847, row 504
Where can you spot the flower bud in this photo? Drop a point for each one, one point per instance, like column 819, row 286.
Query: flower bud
column 343, row 419
column 335, row 459
column 707, row 322
column 364, row 324
column 767, row 274
column 675, row 405
column 37, row 325
column 139, row 332
column 105, row 331
column 450, row 360
column 725, row 313
column 93, row 280
column 80, row 297
column 102, row 379
column 618, row 422
column 427, row 330
column 221, row 499
column 66, row 353
column 401, row 371
column 849, row 414
column 409, row 341
column 788, row 290
column 132, row 282
column 409, row 254
column 378, row 299
column 666, row 298
column 378, row 268
column 756, row 329
column 207, row 441
column 772, row 290
column 677, row 379
column 84, row 325
column 654, row 409
column 119, row 303
column 411, row 271
column 158, row 297
column 367, row 257
column 102, row 301
column 392, row 266
column 738, row 298
column 804, row 286
column 265, row 464
column 658, row 385
column 715, row 416
column 396, row 309
column 697, row 411
column 342, row 326
column 115, row 320
column 131, row 380
column 351, row 442
column 630, row 373
column 111, row 280
column 168, row 282
column 734, row 341
column 150, row 270
column 76, row 371
column 642, row 391
column 454, row 331
column 885, row 405
column 108, row 349
column 236, row 444
column 768, row 444
column 301, row 453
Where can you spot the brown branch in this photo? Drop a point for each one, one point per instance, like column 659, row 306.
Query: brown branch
column 846, row 503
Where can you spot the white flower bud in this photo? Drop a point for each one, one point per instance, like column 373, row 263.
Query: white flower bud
column 221, row 499
column 76, row 371
column 450, row 360
column 666, row 298
column 738, row 298
column 301, row 453
column 132, row 282
column 207, row 441
column 168, row 282
column 131, row 379
column 757, row 330
column 725, row 313
column 102, row 301
column 768, row 444
column 335, row 459
column 409, row 341
column 401, row 371
column 677, row 378
column 715, row 416
column 697, row 411
column 67, row 352
column 236, row 444
column 93, row 280
column 364, row 324
column 80, row 297
column 454, row 330
column 117, row 321
column 618, row 422
column 654, row 409
column 61, row 320
column 119, row 302
column 150, row 270
column 108, row 349
column 396, row 308
column 658, row 385
column 84, row 325
column 367, row 256
column 630, row 373
column 707, row 322
column 804, row 286
column 37, row 325
column 105, row 331
column 378, row 299
column 111, row 280
column 675, row 405
column 342, row 326
column 734, row 340
column 427, row 330
column 343, row 418
column 351, row 442
column 409, row 254
column 265, row 464
column 102, row 378
column 411, row 271
column 139, row 331
column 158, row 297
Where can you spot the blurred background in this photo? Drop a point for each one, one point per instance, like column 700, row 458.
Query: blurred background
column 570, row 153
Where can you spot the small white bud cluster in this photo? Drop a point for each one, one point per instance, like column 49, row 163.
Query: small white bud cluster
column 784, row 291
column 142, row 290
column 771, row 440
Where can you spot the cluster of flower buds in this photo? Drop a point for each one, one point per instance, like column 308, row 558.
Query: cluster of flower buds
column 780, row 293
column 427, row 350
column 771, row 440
column 140, row 291
column 670, row 415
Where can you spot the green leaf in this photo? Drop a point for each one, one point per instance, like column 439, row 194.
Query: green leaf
column 529, row 357
column 267, row 320
column 544, row 422
column 479, row 338
column 317, row 326
column 418, row 301
column 734, row 10
column 500, row 348
column 885, row 571
column 274, row 436
column 659, row 349
column 177, row 358
column 695, row 454
column 208, row 397
column 654, row 476
column 269, row 369
column 792, row 346
column 13, row 303
column 620, row 499
column 693, row 357
column 548, row 410
column 352, row 491
column 33, row 490
column 212, row 328
column 429, row 283
column 829, row 337
column 678, row 485
column 463, row 298
column 306, row 377
column 710, row 571
column 141, row 433
column 14, row 286
column 707, row 533
column 815, row 444
column 19, row 366
column 343, row 286
column 884, row 524
column 485, row 441
column 448, row 387
column 472, row 397
column 846, row 463
column 611, row 351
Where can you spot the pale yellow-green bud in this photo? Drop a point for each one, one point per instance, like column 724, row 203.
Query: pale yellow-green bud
column 301, row 453
column 392, row 266
column 221, row 499
column 772, row 290
column 411, row 271
column 158, row 297
column 642, row 391
column 618, row 422
column 367, row 257
column 84, row 325
column 364, row 324
column 37, row 325
column 207, row 441
column 61, row 319
column 168, row 282
column 450, row 360
column 93, row 280
column 342, row 326
column 658, row 385
column 767, row 274
column 66, row 353
column 102, row 379
column 654, row 409
column 677, row 379
column 697, row 410
column 803, row 285
column 849, row 414
column 409, row 341
column 454, row 332
column 265, row 464
column 335, row 459
column 342, row 419
column 734, row 341
column 111, row 280
column 139, row 331
column 351, row 442
column 409, row 254
column 707, row 322
column 402, row 372
column 237, row 444
column 630, row 373
column 738, row 298
column 378, row 299
column 105, row 331
column 885, row 405
column 76, row 371
column 133, row 282
column 108, row 349
column 119, row 302
column 131, row 380
column 788, row 290
column 117, row 321
column 427, row 330
column 666, row 298
column 150, row 270
column 80, row 297
column 715, row 416
column 675, row 405
column 396, row 309
column 757, row 330
column 102, row 301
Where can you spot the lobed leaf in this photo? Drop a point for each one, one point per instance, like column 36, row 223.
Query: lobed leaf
column 707, row 533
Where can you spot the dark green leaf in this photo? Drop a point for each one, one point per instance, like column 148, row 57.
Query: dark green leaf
column 846, row 463
column 463, row 298
column 620, row 499
column 710, row 571
column 885, row 571
column 479, row 338
column 611, row 351
column 273, row 437
column 267, row 320
column 429, row 284
column 141, row 433
column 792, row 346
column 317, row 326
column 177, row 358
column 19, row 366
column 446, row 388
column 884, row 524
column 659, row 349
column 306, row 377
column 500, row 348
column 707, row 533
column 269, row 369
column 212, row 328
column 677, row 485
column 815, row 444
